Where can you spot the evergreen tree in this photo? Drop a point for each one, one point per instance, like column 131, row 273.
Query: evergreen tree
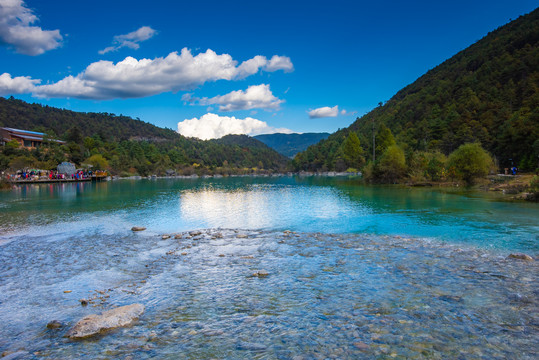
column 352, row 151
column 384, row 139
column 391, row 167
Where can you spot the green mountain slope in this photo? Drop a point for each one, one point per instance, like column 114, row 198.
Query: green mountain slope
column 129, row 145
column 291, row 144
column 488, row 93
column 22, row 115
column 254, row 149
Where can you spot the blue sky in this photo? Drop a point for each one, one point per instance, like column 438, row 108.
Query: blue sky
column 236, row 66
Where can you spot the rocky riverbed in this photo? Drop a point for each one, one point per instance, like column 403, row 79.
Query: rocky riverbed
column 240, row 294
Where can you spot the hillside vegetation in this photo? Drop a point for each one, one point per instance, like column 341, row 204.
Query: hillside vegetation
column 124, row 145
column 487, row 93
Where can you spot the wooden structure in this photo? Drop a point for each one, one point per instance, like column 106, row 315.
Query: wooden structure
column 25, row 138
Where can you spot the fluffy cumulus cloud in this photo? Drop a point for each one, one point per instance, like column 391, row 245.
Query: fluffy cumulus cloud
column 16, row 85
column 213, row 126
column 323, row 112
column 130, row 40
column 132, row 78
column 255, row 97
column 279, row 63
column 16, row 30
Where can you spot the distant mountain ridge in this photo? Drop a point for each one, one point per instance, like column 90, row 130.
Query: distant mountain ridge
column 291, row 144
column 487, row 93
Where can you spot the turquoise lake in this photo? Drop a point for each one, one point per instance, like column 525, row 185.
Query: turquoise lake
column 311, row 204
column 355, row 271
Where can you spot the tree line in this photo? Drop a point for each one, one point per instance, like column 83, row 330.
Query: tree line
column 486, row 94
column 143, row 157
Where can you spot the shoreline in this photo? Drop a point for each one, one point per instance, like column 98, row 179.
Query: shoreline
column 512, row 187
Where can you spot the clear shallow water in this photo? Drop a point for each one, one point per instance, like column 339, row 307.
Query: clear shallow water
column 424, row 275
column 302, row 204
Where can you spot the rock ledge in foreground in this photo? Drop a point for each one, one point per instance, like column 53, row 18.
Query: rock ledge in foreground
column 94, row 324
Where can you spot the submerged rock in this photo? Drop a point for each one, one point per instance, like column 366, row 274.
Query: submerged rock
column 55, row 324
column 14, row 355
column 166, row 236
column 251, row 347
column 94, row 324
column 261, row 273
column 520, row 256
column 138, row 228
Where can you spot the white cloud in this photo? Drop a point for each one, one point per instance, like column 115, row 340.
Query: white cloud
column 16, row 85
column 213, row 126
column 251, row 66
column 255, row 97
column 279, row 63
column 132, row 78
column 16, row 30
column 130, row 40
column 323, row 112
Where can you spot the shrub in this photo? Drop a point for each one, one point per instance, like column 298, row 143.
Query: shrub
column 98, row 162
column 427, row 166
column 534, row 184
column 469, row 162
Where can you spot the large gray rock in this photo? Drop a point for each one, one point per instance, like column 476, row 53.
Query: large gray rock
column 94, row 324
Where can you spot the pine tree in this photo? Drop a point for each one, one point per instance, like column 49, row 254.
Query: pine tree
column 352, row 151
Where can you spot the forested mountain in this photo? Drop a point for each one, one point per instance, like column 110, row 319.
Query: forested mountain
column 291, row 144
column 487, row 93
column 257, row 150
column 35, row 117
column 126, row 145
column 240, row 140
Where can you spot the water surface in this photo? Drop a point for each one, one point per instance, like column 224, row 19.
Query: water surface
column 367, row 272
column 311, row 204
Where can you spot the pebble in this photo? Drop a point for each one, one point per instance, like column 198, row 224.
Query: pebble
column 361, row 345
